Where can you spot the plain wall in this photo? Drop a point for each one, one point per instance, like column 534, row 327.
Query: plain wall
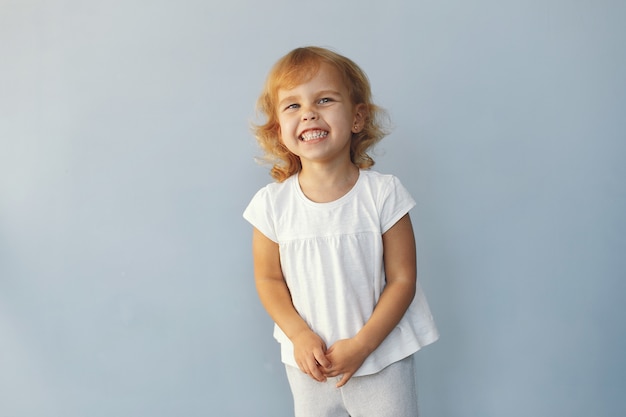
column 126, row 161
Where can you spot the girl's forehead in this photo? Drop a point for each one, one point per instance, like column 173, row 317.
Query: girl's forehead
column 323, row 74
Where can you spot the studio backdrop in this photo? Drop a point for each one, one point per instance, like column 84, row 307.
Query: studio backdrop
column 126, row 161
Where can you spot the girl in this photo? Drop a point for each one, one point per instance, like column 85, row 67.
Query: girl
column 333, row 245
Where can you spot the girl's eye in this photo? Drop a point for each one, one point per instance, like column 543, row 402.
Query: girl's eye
column 292, row 106
column 324, row 100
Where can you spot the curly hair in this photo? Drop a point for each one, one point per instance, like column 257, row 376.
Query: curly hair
column 297, row 67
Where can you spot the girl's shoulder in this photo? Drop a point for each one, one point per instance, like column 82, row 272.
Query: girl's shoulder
column 384, row 186
column 378, row 179
column 375, row 175
column 275, row 190
column 280, row 187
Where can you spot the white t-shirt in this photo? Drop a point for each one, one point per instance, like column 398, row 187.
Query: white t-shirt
column 331, row 256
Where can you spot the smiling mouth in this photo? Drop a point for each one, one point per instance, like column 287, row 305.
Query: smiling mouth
column 313, row 134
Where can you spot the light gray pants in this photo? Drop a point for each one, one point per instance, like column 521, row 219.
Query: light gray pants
column 390, row 393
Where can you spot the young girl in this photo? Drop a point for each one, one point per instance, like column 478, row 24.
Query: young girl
column 333, row 245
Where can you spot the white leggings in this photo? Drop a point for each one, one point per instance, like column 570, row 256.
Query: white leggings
column 390, row 393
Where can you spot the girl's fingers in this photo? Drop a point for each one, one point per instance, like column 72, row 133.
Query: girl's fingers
column 344, row 380
column 321, row 360
column 312, row 369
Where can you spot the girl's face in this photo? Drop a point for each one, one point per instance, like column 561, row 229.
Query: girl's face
column 317, row 118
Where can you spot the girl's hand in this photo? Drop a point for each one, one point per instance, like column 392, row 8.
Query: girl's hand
column 309, row 351
column 346, row 357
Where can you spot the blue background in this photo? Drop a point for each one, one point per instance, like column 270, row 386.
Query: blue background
column 126, row 161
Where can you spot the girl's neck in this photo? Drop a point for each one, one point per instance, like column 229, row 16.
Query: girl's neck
column 323, row 184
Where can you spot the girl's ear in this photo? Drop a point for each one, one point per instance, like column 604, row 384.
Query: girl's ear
column 360, row 115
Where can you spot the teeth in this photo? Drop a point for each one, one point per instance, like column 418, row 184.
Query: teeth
column 313, row 134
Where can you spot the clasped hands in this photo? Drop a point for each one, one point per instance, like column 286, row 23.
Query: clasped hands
column 343, row 358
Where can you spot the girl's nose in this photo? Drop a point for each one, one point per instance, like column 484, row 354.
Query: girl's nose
column 309, row 115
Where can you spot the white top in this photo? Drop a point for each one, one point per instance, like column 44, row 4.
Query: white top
column 331, row 257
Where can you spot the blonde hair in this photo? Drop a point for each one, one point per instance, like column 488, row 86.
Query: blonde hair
column 295, row 68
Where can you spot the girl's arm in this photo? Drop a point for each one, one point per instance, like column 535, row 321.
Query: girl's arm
column 309, row 348
column 346, row 356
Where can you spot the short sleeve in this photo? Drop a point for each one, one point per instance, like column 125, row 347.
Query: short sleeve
column 396, row 203
column 259, row 214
